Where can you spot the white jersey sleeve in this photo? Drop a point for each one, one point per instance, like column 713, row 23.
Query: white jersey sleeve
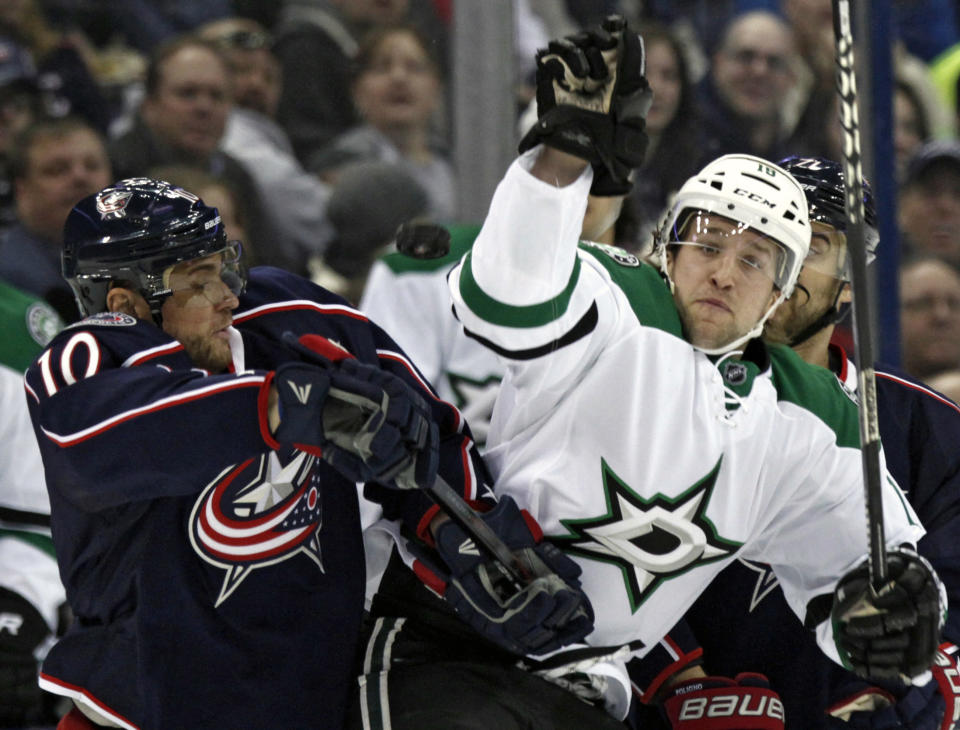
column 525, row 291
column 414, row 309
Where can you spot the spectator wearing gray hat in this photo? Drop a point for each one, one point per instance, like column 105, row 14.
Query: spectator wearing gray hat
column 369, row 202
column 929, row 210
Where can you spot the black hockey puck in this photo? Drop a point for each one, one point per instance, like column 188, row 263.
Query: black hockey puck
column 423, row 240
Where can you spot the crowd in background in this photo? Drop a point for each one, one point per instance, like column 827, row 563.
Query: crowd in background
column 317, row 127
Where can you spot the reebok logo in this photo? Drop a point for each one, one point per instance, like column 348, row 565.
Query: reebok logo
column 467, row 547
column 302, row 393
column 10, row 623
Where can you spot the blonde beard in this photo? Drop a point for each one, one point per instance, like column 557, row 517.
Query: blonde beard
column 207, row 353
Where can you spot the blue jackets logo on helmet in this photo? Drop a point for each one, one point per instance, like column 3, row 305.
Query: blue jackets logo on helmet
column 112, row 202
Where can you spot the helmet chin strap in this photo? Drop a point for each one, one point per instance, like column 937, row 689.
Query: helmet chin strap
column 831, row 315
column 756, row 331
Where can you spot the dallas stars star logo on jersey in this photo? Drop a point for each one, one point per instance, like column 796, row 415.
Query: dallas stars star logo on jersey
column 650, row 540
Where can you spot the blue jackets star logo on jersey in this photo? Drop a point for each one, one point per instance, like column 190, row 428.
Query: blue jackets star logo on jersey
column 650, row 540
column 258, row 513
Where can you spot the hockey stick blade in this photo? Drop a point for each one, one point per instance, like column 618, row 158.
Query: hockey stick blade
column 487, row 540
column 863, row 325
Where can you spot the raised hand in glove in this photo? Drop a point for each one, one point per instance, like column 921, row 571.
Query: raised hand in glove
column 547, row 612
column 592, row 101
column 720, row 703
column 893, row 633
column 364, row 421
column 933, row 706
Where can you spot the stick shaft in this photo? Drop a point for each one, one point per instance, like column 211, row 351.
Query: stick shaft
column 863, row 324
column 487, row 540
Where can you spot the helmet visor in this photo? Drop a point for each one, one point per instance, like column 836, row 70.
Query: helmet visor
column 209, row 279
column 758, row 258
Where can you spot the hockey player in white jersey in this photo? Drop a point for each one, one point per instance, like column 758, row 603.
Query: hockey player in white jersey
column 642, row 423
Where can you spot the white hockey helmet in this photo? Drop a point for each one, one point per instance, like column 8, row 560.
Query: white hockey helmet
column 754, row 192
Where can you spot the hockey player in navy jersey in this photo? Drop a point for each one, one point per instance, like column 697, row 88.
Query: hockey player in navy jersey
column 649, row 431
column 204, row 436
column 920, row 430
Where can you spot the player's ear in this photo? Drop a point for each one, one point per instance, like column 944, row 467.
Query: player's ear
column 846, row 295
column 127, row 301
column 774, row 294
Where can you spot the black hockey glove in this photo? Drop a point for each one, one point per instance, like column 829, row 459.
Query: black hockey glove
column 721, row 703
column 364, row 421
column 22, row 630
column 592, row 101
column 895, row 632
column 549, row 612
column 933, row 706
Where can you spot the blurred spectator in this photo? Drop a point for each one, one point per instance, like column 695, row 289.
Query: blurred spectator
column 182, row 120
column 929, row 205
column 743, row 96
column 672, row 127
column 926, row 27
column 369, row 202
column 63, row 67
column 396, row 90
column 20, row 104
column 911, row 127
column 54, row 163
column 815, row 131
column 929, row 316
column 294, row 200
column 215, row 192
column 316, row 43
column 947, row 383
column 145, row 24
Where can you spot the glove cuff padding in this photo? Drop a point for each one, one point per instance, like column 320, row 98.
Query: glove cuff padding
column 894, row 632
column 592, row 102
column 364, row 421
column 946, row 673
column 745, row 702
column 545, row 613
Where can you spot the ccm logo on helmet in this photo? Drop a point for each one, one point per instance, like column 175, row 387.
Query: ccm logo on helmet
column 754, row 197
column 731, row 705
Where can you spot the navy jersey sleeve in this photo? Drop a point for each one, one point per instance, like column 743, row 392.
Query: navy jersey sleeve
column 278, row 302
column 107, row 425
column 920, row 432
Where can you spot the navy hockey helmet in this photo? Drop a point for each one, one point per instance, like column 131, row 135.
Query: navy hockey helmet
column 134, row 231
column 822, row 183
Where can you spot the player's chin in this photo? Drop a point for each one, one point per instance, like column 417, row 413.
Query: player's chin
column 212, row 354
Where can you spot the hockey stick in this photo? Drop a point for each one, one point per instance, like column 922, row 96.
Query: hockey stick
column 471, row 523
column 863, row 326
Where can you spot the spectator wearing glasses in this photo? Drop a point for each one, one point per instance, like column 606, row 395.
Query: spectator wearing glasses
column 744, row 95
column 929, row 316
